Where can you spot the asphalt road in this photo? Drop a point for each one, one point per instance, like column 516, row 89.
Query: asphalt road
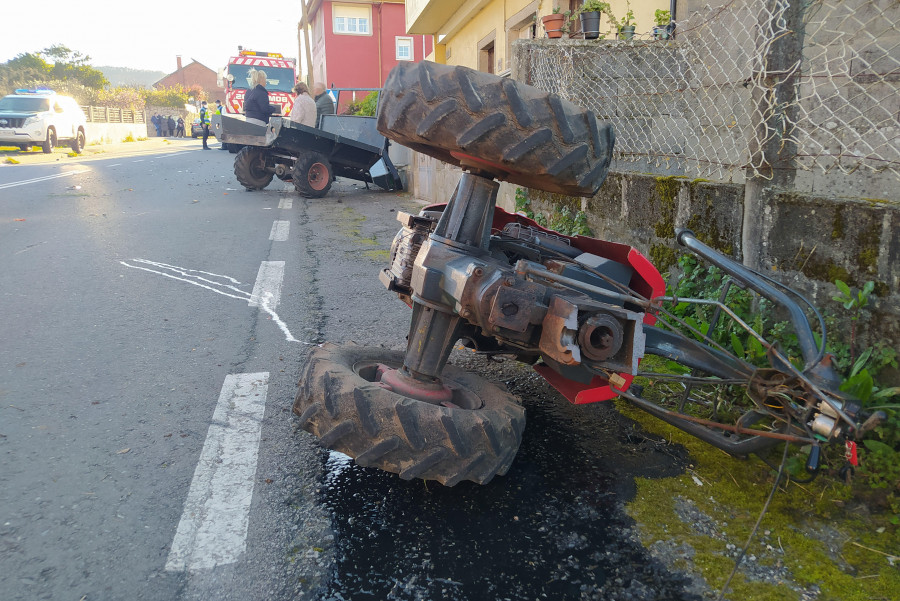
column 149, row 308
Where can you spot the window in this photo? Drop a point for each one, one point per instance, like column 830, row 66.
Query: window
column 486, row 53
column 352, row 19
column 520, row 26
column 404, row 49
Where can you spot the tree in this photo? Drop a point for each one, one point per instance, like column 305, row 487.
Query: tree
column 55, row 62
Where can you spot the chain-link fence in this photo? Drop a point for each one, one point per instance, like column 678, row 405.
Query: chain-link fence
column 746, row 86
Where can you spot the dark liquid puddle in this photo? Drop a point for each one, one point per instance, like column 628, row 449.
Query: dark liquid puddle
column 551, row 528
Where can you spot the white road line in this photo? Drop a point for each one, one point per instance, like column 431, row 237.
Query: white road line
column 280, row 231
column 213, row 527
column 264, row 294
column 268, row 285
column 114, row 165
column 285, row 203
column 138, row 161
column 36, row 180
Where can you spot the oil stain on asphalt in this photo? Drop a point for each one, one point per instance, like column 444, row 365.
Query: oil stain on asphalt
column 552, row 528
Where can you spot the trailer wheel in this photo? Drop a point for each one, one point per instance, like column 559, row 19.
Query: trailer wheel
column 250, row 168
column 312, row 175
column 340, row 402
column 496, row 125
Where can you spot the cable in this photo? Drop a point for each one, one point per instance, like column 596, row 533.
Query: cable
column 740, row 557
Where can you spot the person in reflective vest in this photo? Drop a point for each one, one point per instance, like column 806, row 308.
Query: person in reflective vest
column 204, row 123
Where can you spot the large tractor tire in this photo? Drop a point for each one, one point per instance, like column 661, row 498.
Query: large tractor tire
column 312, row 175
column 340, row 403
column 250, row 168
column 496, row 125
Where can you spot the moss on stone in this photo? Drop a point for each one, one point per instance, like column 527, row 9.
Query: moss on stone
column 732, row 492
column 869, row 241
column 663, row 257
column 826, row 271
column 667, row 188
column 837, row 224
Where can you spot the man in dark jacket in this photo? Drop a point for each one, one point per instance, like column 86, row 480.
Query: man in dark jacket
column 256, row 102
column 324, row 104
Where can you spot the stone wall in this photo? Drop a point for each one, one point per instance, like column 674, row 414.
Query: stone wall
column 807, row 241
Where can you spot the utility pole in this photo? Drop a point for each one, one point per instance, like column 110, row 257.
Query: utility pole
column 304, row 25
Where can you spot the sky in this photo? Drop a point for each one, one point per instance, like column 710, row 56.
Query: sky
column 126, row 34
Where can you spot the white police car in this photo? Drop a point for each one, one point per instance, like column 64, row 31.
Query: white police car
column 41, row 117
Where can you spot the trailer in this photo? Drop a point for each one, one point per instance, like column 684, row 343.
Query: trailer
column 311, row 158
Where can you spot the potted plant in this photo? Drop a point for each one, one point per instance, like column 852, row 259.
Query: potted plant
column 626, row 27
column 590, row 13
column 661, row 29
column 554, row 24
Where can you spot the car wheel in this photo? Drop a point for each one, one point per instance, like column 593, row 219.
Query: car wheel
column 79, row 142
column 50, row 143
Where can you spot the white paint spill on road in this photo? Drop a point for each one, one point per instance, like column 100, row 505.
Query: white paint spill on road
column 280, row 231
column 213, row 526
column 265, row 294
column 285, row 203
column 37, row 180
column 268, row 281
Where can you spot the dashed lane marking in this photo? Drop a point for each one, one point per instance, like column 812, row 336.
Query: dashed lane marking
column 280, row 231
column 213, row 526
column 268, row 284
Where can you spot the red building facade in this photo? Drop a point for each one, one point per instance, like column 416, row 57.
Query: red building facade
column 355, row 44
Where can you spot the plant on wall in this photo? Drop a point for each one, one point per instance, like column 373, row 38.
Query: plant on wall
column 590, row 13
column 662, row 18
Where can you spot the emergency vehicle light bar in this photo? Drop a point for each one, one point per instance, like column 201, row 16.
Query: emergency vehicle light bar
column 254, row 53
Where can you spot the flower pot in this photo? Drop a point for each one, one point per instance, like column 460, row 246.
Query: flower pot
column 661, row 32
column 553, row 25
column 590, row 25
column 626, row 32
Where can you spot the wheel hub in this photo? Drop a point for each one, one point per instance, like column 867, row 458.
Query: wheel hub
column 401, row 382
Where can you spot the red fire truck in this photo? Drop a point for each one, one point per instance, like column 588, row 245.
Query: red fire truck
column 281, row 75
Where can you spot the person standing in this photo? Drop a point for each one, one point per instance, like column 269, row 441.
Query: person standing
column 305, row 111
column 155, row 121
column 256, row 102
column 324, row 104
column 179, row 127
column 204, row 123
column 170, row 123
